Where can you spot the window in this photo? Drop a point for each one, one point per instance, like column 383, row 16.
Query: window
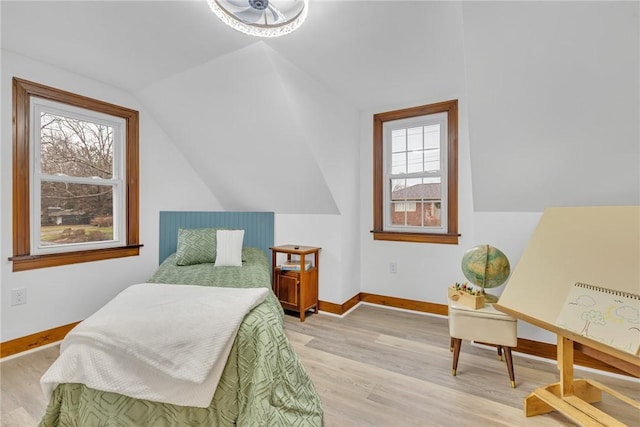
column 404, row 206
column 75, row 178
column 416, row 174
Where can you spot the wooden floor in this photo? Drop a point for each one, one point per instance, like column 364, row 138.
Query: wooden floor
column 376, row 367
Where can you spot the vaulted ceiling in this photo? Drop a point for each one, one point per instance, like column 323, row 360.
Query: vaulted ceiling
column 349, row 46
column 549, row 90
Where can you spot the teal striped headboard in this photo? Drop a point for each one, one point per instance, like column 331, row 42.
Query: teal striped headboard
column 258, row 227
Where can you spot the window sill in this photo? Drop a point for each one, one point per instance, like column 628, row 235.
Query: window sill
column 446, row 239
column 32, row 262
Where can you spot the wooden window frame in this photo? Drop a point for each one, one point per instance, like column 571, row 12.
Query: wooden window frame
column 451, row 235
column 22, row 258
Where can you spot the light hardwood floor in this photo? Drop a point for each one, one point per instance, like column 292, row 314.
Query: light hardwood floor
column 377, row 367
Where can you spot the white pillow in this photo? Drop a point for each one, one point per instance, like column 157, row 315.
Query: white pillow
column 229, row 248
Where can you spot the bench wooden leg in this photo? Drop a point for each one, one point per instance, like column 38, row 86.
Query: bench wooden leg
column 512, row 376
column 457, row 343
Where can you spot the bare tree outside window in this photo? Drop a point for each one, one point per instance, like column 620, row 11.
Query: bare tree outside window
column 73, row 211
column 75, row 147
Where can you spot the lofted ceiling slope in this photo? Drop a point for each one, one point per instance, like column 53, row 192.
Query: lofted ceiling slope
column 554, row 90
column 127, row 44
column 242, row 135
column 549, row 91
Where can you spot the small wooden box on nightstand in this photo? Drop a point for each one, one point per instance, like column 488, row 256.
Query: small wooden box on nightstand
column 296, row 287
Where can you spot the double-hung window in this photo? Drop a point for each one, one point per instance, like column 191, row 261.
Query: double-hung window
column 75, row 178
column 415, row 174
column 77, row 190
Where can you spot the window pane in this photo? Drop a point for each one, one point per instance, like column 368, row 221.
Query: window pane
column 412, row 182
column 398, row 213
column 414, row 218
column 399, row 163
column 414, row 138
column 414, row 160
column 398, row 140
column 431, row 196
column 75, row 147
column 429, row 189
column 397, row 189
column 432, row 136
column 432, row 160
column 75, row 213
column 432, row 214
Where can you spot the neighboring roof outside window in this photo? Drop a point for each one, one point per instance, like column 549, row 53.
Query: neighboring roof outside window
column 429, row 191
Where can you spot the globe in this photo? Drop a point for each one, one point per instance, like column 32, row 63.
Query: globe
column 486, row 267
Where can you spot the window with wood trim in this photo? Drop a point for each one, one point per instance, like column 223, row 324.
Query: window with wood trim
column 75, row 178
column 415, row 174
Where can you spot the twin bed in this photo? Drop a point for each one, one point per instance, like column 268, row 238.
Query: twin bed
column 262, row 382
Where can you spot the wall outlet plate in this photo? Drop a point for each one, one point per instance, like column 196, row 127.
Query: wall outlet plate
column 18, row 296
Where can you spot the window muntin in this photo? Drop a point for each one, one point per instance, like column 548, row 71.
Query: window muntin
column 416, row 161
column 77, row 187
column 25, row 165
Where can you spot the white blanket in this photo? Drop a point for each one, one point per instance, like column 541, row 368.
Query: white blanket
column 159, row 342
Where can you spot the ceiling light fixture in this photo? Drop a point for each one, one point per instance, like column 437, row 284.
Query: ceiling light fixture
column 261, row 18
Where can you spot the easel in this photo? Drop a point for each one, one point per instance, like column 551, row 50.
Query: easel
column 573, row 397
column 572, row 243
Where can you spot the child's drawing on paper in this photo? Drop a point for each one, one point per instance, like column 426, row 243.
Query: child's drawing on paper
column 591, row 316
column 607, row 316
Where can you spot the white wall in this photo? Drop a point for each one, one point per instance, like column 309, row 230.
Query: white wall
column 555, row 95
column 61, row 295
column 324, row 231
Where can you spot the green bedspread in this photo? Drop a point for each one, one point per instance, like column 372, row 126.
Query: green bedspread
column 263, row 382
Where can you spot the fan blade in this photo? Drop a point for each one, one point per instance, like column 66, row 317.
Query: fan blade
column 235, row 6
column 251, row 15
column 277, row 17
column 237, row 3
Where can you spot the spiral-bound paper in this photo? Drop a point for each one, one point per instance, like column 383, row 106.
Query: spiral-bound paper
column 606, row 315
column 607, row 290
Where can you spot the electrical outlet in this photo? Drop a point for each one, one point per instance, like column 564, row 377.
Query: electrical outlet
column 18, row 296
column 393, row 267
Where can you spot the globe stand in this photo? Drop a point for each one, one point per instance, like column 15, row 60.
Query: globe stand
column 489, row 298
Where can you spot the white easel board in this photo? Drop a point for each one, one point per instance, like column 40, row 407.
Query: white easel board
column 599, row 246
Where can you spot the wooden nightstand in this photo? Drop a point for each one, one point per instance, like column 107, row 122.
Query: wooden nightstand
column 295, row 282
